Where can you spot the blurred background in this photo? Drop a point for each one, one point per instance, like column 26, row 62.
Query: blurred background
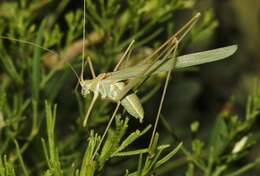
column 200, row 94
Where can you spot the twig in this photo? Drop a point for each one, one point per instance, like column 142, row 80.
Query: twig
column 53, row 61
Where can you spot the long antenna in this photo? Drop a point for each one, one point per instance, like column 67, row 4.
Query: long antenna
column 41, row 47
column 29, row 43
column 74, row 71
column 83, row 43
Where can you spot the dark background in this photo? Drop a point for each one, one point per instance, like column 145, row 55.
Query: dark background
column 193, row 95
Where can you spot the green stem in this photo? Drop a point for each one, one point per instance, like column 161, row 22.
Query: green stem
column 245, row 168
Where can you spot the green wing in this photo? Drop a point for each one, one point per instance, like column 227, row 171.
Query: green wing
column 182, row 62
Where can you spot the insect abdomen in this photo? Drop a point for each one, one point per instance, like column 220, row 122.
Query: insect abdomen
column 133, row 106
column 131, row 102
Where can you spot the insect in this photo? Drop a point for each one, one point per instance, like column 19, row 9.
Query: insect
column 118, row 76
column 117, row 90
column 109, row 89
column 117, row 85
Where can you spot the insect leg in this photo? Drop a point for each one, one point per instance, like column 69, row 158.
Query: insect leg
column 91, row 67
column 124, row 56
column 90, row 108
column 106, row 130
column 164, row 93
column 163, row 51
column 118, row 104
column 181, row 33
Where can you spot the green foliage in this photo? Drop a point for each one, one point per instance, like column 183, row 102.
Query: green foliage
column 40, row 138
column 6, row 167
column 230, row 140
column 50, row 149
column 153, row 160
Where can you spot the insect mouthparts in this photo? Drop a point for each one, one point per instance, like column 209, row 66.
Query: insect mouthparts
column 85, row 91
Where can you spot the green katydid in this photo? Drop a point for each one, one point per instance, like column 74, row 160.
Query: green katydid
column 117, row 90
column 164, row 59
column 117, row 84
column 138, row 70
column 184, row 61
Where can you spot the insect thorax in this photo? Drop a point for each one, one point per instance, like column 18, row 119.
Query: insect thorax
column 88, row 86
column 111, row 91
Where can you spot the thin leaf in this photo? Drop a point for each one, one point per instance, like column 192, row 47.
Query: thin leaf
column 133, row 152
column 218, row 139
column 36, row 63
column 18, row 151
column 245, row 168
column 169, row 156
column 9, row 66
column 139, row 168
column 131, row 138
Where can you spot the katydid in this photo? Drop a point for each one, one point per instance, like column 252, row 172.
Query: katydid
column 117, row 84
column 138, row 70
column 118, row 91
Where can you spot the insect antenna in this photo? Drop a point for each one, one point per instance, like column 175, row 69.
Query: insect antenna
column 90, row 67
column 29, row 43
column 83, row 44
column 74, row 71
column 83, row 48
column 41, row 47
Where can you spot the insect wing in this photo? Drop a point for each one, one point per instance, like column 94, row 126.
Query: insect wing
column 161, row 53
column 166, row 51
column 183, row 61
